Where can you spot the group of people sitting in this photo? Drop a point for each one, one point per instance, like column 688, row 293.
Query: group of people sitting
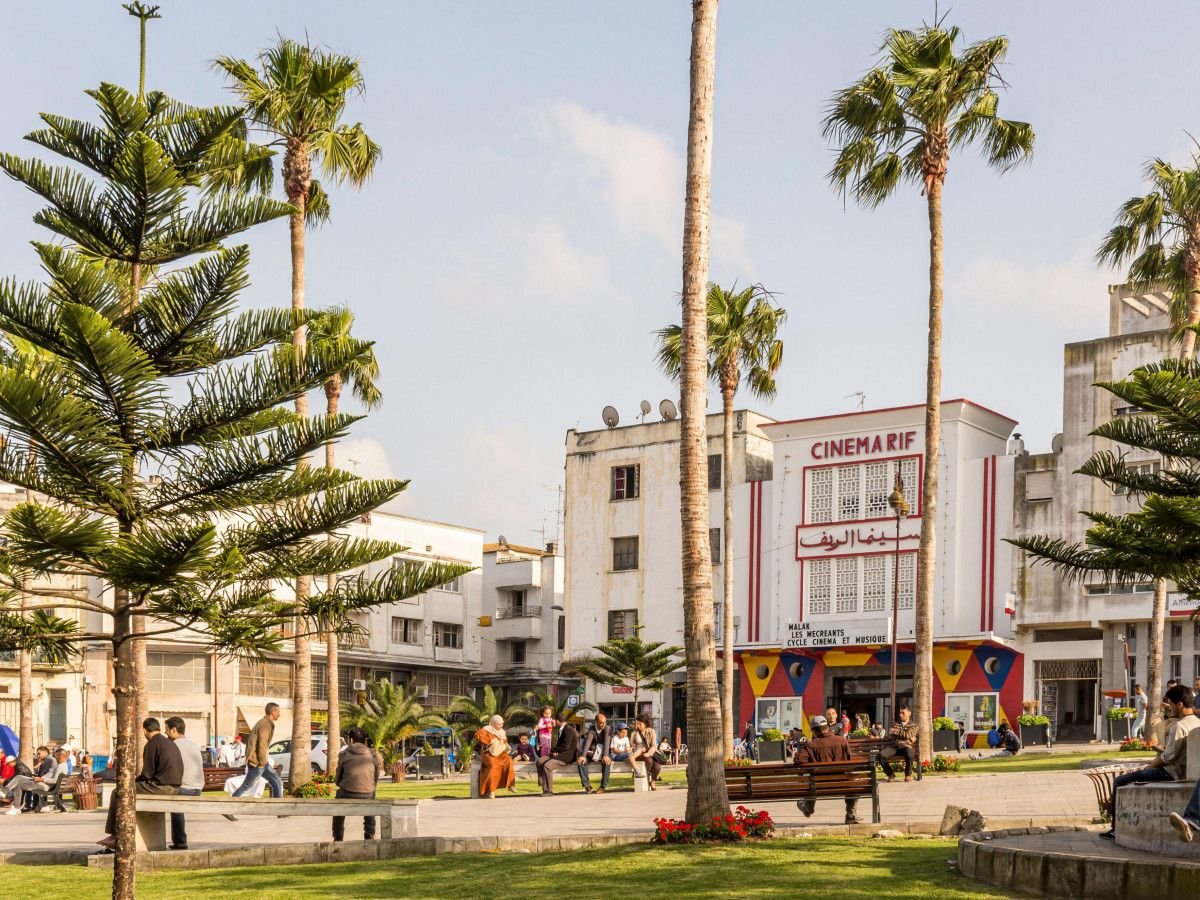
column 23, row 787
column 601, row 744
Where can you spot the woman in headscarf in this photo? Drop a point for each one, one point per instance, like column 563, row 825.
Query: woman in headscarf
column 495, row 764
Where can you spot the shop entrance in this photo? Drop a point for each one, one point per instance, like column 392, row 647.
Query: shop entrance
column 868, row 694
column 1068, row 691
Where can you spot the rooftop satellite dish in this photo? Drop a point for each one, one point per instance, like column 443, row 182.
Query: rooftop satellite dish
column 610, row 417
column 503, row 541
column 668, row 411
column 645, row 409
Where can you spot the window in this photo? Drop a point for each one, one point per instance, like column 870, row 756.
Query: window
column 268, row 678
column 562, row 632
column 714, row 545
column 447, row 635
column 838, row 585
column 715, row 472
column 718, row 621
column 622, row 623
column 406, row 631
column 516, row 603
column 1150, row 468
column 346, row 691
column 1176, row 638
column 439, row 689
column 318, row 690
column 859, row 491
column 452, row 587
column 976, row 711
column 1176, row 666
column 1131, row 637
column 518, row 653
column 1196, row 667
column 1132, row 670
column 177, row 673
column 625, row 482
column 625, row 553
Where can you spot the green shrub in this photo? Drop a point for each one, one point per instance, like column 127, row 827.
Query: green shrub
column 1121, row 712
column 944, row 723
column 1030, row 719
column 772, row 734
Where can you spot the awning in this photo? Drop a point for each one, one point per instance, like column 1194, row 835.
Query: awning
column 248, row 717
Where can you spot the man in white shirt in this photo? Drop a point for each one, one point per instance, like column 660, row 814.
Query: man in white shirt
column 193, row 777
column 1171, row 763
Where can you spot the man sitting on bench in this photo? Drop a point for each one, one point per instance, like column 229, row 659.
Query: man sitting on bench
column 901, row 741
column 36, row 784
column 162, row 773
column 824, row 747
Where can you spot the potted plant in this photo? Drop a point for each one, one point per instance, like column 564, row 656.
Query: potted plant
column 1120, row 719
column 1034, row 729
column 771, row 748
column 945, row 735
column 430, row 764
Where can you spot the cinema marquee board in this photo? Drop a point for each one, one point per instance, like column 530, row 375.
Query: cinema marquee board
column 828, row 635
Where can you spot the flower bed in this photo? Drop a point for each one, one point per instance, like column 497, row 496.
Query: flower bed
column 320, row 787
column 1134, row 744
column 738, row 763
column 941, row 763
column 743, row 824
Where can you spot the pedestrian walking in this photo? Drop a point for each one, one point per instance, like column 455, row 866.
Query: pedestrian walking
column 258, row 762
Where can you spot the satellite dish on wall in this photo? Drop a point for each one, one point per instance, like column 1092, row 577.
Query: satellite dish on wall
column 610, row 417
column 668, row 411
column 645, row 408
column 1056, row 443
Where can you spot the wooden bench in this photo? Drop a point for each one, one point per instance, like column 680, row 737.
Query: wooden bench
column 863, row 746
column 595, row 770
column 397, row 818
column 215, row 777
column 855, row 779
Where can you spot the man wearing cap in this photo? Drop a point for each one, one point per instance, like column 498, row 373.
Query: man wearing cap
column 824, row 747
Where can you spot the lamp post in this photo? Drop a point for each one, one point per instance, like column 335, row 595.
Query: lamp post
column 900, row 507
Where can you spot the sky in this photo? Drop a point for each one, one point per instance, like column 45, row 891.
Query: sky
column 520, row 241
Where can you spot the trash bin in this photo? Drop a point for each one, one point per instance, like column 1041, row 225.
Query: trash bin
column 85, row 793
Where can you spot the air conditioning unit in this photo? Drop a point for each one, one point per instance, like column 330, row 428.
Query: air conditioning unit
column 359, row 684
column 421, row 692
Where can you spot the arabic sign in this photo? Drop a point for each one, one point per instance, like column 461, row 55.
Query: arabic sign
column 834, row 541
column 814, row 635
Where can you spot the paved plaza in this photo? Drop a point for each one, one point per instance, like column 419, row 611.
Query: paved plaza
column 1038, row 797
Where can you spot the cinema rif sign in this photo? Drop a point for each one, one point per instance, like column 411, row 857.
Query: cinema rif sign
column 814, row 636
column 867, row 445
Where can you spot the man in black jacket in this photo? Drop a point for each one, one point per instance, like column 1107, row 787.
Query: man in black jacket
column 162, row 773
column 599, row 736
column 562, row 754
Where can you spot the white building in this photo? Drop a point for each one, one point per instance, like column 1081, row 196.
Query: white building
column 523, row 631
column 1072, row 633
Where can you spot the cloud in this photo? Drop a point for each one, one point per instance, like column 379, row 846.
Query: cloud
column 638, row 175
column 365, row 457
column 514, row 261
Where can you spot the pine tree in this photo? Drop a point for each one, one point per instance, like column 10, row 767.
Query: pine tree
column 149, row 421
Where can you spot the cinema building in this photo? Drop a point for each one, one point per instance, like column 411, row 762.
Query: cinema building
column 822, row 547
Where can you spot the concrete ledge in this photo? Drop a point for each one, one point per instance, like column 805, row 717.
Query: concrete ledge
column 1142, row 818
column 1002, row 859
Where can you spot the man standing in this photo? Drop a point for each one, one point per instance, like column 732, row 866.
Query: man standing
column 162, row 773
column 901, row 741
column 257, row 762
column 750, row 740
column 562, row 754
column 1171, row 763
column 834, row 721
column 824, row 747
column 1139, row 704
column 193, row 777
column 358, row 771
column 47, row 770
column 599, row 736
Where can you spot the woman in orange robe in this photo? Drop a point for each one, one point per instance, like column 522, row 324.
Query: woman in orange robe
column 495, row 764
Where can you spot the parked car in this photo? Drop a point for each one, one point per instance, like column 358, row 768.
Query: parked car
column 281, row 754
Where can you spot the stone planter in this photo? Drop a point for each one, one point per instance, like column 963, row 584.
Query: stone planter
column 946, row 741
column 772, row 751
column 1119, row 729
column 1034, row 735
column 431, row 766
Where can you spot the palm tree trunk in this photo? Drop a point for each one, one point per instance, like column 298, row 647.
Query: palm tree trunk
column 334, row 725
column 1154, row 648
column 727, row 395
column 301, row 765
column 1193, row 311
column 707, row 796
column 927, row 551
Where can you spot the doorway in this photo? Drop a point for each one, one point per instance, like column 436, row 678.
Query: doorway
column 868, row 695
column 58, row 715
column 1068, row 692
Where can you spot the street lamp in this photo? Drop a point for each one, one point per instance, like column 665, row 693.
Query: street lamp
column 900, row 507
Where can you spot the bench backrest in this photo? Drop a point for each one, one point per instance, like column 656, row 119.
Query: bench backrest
column 856, row 778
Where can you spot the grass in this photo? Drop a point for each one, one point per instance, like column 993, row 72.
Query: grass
column 846, row 868
column 1037, row 762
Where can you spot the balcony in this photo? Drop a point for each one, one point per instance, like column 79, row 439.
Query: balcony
column 354, row 642
column 519, row 611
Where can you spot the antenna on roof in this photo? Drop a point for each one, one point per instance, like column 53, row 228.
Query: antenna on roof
column 862, row 399
column 645, row 410
column 610, row 417
column 667, row 410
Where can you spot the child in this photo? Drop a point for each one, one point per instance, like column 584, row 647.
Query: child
column 524, row 751
column 620, row 745
column 545, row 728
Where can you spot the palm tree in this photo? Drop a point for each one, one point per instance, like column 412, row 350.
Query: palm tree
column 707, row 796
column 299, row 98
column 389, row 715
column 468, row 714
column 632, row 662
column 743, row 341
column 899, row 123
column 1158, row 236
column 362, row 374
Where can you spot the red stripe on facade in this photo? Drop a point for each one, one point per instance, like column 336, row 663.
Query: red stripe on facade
column 983, row 554
column 758, row 564
column 750, row 573
column 992, row 556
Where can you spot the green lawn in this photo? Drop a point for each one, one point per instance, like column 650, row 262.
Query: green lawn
column 1041, row 762
column 862, row 869
column 563, row 784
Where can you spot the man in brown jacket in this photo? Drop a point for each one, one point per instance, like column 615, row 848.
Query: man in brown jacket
column 257, row 760
column 824, row 747
column 358, row 771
